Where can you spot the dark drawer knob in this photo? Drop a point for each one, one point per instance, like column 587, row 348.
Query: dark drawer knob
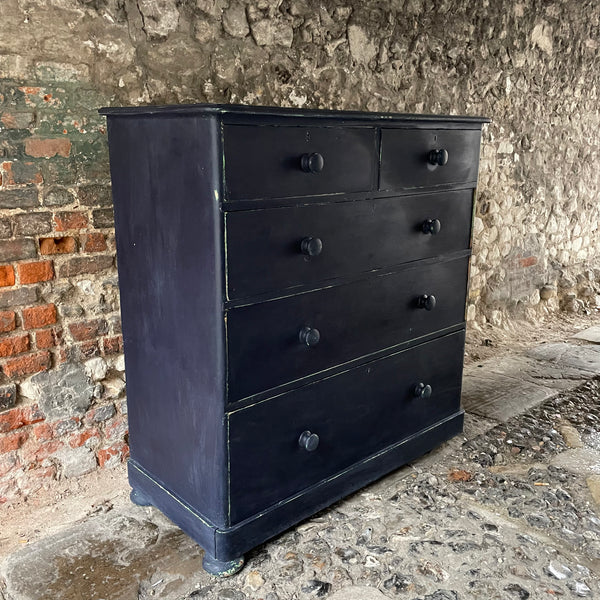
column 422, row 390
column 311, row 246
column 438, row 157
column 432, row 226
column 312, row 163
column 426, row 301
column 308, row 441
column 310, row 336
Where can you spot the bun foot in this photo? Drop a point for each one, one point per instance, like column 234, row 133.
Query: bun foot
column 139, row 498
column 220, row 568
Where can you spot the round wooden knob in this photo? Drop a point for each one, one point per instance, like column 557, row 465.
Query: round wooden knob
column 431, row 226
column 308, row 441
column 312, row 163
column 309, row 336
column 422, row 390
column 426, row 301
column 311, row 246
column 438, row 157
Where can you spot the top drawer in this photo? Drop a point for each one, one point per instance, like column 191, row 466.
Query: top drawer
column 281, row 161
column 417, row 158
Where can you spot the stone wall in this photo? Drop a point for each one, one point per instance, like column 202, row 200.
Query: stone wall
column 534, row 67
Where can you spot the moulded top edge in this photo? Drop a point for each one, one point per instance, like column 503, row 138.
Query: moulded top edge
column 272, row 111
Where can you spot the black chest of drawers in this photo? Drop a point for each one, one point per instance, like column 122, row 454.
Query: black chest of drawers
column 293, row 290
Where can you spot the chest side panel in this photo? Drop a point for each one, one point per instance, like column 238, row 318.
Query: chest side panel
column 165, row 191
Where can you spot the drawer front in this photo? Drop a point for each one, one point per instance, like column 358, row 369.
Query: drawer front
column 271, row 249
column 267, row 161
column 405, row 157
column 264, row 343
column 354, row 414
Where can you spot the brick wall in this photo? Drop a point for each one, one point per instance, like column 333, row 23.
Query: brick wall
column 62, row 406
column 534, row 67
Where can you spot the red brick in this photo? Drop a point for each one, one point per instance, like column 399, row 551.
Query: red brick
column 17, row 344
column 86, row 350
column 47, row 147
column 19, row 417
column 36, row 453
column 120, row 450
column 41, row 472
column 27, row 365
column 94, row 242
column 43, row 432
column 39, row 316
column 113, row 345
column 47, row 338
column 35, row 271
column 63, row 221
column 7, row 276
column 88, row 330
column 528, row 262
column 7, row 321
column 58, row 245
column 80, row 438
column 12, row 441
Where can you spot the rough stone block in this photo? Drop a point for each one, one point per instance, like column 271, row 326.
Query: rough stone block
column 76, row 461
column 95, row 195
column 96, row 368
column 5, row 226
column 8, row 396
column 56, row 196
column 63, row 392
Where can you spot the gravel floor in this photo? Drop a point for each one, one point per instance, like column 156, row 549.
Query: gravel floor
column 505, row 511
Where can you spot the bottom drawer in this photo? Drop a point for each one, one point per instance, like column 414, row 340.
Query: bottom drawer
column 354, row 414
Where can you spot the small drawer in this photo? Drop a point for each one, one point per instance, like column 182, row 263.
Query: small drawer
column 419, row 158
column 277, row 162
column 353, row 414
column 280, row 248
column 275, row 342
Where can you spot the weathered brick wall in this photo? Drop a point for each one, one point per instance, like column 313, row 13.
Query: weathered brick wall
column 534, row 67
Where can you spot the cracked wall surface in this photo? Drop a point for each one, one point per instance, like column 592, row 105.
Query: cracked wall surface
column 533, row 67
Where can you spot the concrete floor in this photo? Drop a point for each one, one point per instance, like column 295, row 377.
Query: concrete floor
column 509, row 510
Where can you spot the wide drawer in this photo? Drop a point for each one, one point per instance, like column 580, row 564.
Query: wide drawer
column 267, row 342
column 354, row 414
column 269, row 161
column 406, row 162
column 271, row 249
